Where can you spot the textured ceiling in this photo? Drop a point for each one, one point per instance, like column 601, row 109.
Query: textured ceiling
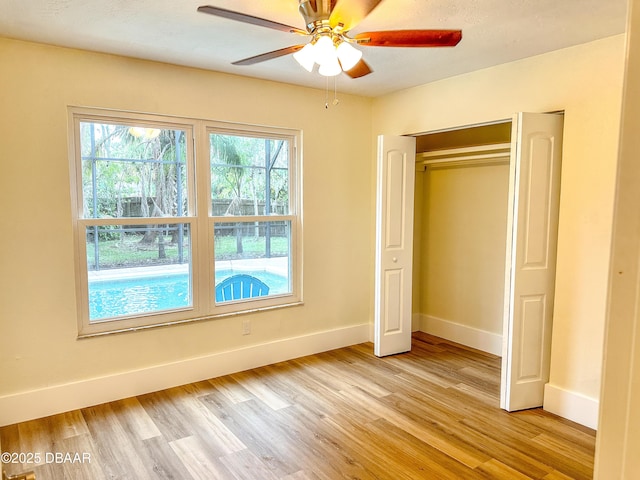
column 494, row 32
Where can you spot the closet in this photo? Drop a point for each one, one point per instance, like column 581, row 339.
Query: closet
column 460, row 225
column 486, row 209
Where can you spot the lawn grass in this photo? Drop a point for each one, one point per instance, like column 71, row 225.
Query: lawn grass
column 128, row 251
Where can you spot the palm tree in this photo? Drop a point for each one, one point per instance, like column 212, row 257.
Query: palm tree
column 120, row 162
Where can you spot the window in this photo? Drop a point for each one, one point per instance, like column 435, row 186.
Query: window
column 169, row 231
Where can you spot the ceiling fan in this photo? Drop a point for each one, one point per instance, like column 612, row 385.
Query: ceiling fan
column 328, row 23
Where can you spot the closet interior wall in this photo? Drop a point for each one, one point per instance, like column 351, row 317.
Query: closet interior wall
column 462, row 180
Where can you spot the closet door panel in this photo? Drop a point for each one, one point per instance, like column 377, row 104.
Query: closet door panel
column 534, row 197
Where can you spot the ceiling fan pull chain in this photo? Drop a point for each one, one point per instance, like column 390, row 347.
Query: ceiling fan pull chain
column 335, row 92
column 326, row 93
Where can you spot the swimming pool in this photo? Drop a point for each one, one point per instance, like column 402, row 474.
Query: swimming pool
column 149, row 294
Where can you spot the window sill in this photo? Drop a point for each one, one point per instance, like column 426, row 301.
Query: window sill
column 190, row 320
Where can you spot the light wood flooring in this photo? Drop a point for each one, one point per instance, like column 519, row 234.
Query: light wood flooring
column 345, row 414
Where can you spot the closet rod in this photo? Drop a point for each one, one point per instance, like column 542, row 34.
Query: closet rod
column 497, row 157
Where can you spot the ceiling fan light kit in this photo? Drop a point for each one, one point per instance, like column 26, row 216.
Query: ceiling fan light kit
column 332, row 54
column 328, row 22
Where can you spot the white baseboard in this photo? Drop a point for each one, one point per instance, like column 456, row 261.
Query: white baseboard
column 47, row 401
column 471, row 337
column 571, row 405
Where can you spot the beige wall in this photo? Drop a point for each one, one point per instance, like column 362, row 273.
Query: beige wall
column 37, row 291
column 463, row 234
column 584, row 81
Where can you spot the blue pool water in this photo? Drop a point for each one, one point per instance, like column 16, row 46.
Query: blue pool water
column 115, row 298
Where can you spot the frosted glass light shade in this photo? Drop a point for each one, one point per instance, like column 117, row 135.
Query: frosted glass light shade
column 348, row 56
column 330, row 68
column 324, row 51
column 306, row 57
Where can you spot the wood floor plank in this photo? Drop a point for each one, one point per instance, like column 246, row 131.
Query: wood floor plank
column 574, row 462
column 555, row 475
column 384, row 444
column 218, row 438
column 356, row 375
column 299, row 475
column 321, row 393
column 305, row 442
column 253, row 382
column 69, row 424
column 135, row 418
column 35, row 436
column 563, row 447
column 198, row 461
column 198, row 389
column 84, row 467
column 314, row 366
column 116, row 452
column 161, row 461
column 231, row 389
column 47, row 470
column 431, row 413
column 516, row 453
column 575, row 433
column 320, row 443
column 499, row 471
column 254, row 424
column 168, row 418
column 245, row 465
column 429, row 433
column 319, row 400
column 489, row 400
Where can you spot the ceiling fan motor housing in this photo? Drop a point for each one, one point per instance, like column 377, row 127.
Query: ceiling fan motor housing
column 315, row 13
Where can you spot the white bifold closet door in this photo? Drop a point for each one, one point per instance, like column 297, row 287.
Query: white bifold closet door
column 532, row 229
column 394, row 244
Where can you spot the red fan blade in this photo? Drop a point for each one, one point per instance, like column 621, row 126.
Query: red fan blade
column 241, row 17
column 349, row 13
column 360, row 70
column 269, row 55
column 410, row 38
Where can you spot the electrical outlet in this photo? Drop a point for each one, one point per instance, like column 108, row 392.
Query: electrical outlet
column 246, row 326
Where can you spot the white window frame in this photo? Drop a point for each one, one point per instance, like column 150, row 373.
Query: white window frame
column 199, row 218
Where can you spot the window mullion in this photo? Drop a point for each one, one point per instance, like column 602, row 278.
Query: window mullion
column 203, row 270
